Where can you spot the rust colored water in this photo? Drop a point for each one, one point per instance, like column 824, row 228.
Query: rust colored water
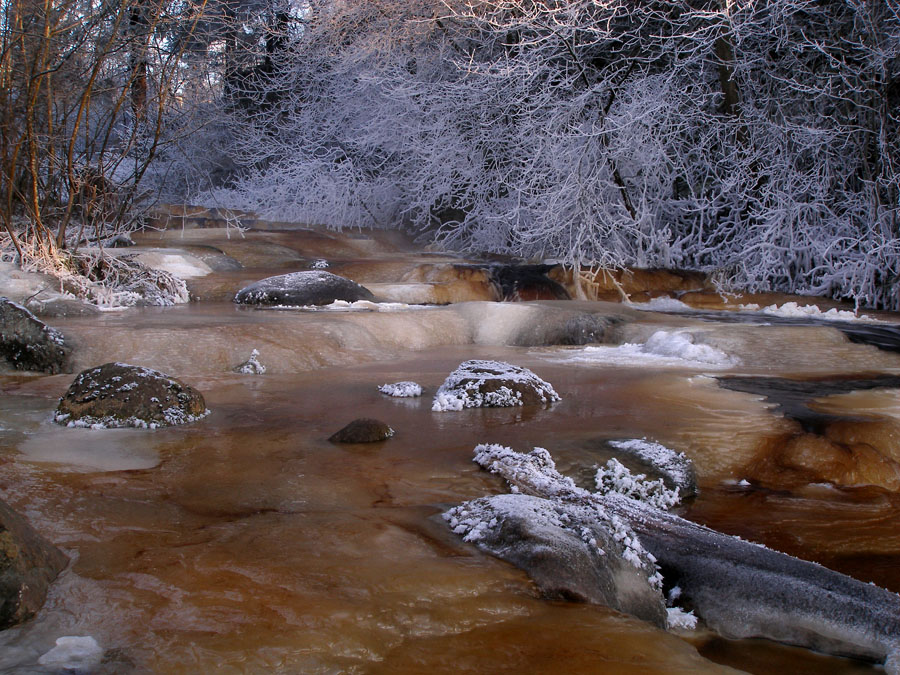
column 248, row 543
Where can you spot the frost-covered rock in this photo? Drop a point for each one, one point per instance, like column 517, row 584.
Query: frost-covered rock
column 401, row 389
column 570, row 550
column 616, row 477
column 673, row 467
column 739, row 589
column 312, row 287
column 28, row 565
column 251, row 366
column 492, row 384
column 363, row 430
column 27, row 343
column 122, row 395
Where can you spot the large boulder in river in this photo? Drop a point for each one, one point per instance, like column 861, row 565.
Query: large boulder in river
column 568, row 549
column 492, row 384
column 312, row 287
column 121, row 395
column 27, row 343
column 28, row 565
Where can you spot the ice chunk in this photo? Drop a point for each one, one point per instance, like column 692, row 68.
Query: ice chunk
column 680, row 344
column 493, row 384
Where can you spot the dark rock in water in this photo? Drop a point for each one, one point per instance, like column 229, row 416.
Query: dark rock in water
column 28, row 565
column 27, row 343
column 363, row 430
column 527, row 282
column 313, row 287
column 567, row 330
column 492, row 384
column 120, row 395
column 566, row 549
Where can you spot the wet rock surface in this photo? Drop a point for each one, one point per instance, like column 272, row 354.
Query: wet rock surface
column 363, row 430
column 492, row 384
column 312, row 287
column 118, row 394
column 28, row 565
column 27, row 343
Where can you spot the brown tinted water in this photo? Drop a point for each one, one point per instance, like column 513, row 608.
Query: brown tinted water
column 248, row 543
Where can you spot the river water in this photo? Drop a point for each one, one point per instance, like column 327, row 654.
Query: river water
column 247, row 542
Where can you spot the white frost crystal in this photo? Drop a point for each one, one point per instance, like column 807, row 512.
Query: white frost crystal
column 616, row 477
column 252, row 366
column 401, row 389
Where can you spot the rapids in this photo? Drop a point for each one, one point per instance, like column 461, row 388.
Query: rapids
column 246, row 542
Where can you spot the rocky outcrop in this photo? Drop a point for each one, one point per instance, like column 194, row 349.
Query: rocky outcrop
column 27, row 343
column 526, row 282
column 28, row 565
column 492, row 384
column 363, row 430
column 120, row 395
column 312, row 287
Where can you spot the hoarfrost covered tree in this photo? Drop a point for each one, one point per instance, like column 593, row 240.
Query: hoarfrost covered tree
column 759, row 140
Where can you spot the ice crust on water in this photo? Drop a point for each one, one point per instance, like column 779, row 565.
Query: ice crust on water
column 681, row 345
column 796, row 310
column 662, row 304
column 73, row 653
column 404, row 389
column 664, row 349
column 478, row 383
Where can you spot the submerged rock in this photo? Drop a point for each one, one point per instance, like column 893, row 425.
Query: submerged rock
column 27, row 343
column 492, row 384
column 122, row 395
column 28, row 565
column 312, row 287
column 363, row 430
column 739, row 589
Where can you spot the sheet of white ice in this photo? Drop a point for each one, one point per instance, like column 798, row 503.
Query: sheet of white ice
column 664, row 349
column 88, row 450
column 661, row 304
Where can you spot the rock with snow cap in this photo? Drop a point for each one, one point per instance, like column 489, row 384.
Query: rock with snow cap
column 27, row 343
column 492, row 384
column 28, row 565
column 311, row 287
column 121, row 395
column 363, row 430
column 674, row 468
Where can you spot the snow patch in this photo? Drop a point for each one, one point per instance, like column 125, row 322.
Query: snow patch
column 73, row 653
column 401, row 389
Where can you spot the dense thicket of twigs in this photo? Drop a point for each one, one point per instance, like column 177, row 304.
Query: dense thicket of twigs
column 756, row 139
